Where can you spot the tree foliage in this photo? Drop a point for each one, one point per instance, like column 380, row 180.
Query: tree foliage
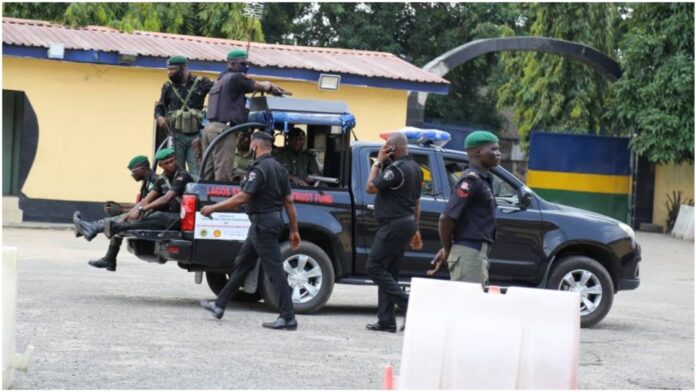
column 222, row 20
column 655, row 97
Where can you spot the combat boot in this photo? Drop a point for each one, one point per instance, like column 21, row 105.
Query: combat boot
column 108, row 261
column 89, row 229
column 75, row 218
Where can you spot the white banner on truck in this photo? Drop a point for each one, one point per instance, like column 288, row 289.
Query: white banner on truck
column 222, row 226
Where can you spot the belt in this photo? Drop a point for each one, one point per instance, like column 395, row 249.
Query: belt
column 406, row 218
column 470, row 244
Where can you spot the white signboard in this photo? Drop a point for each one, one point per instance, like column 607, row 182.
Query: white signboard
column 222, row 226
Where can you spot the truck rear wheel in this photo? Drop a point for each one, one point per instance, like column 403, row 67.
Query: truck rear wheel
column 217, row 280
column 310, row 275
column 591, row 280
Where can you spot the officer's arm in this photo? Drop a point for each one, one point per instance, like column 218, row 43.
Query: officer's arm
column 159, row 202
column 160, row 105
column 292, row 212
column 446, row 229
column 370, row 186
column 232, row 203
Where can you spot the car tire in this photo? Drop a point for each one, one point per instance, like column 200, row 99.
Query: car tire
column 216, row 281
column 589, row 278
column 316, row 272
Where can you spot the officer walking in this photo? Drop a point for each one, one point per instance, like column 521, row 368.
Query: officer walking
column 397, row 208
column 140, row 170
column 161, row 207
column 179, row 111
column 467, row 225
column 227, row 108
column 264, row 191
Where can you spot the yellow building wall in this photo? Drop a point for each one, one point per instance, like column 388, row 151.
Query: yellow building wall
column 670, row 178
column 93, row 118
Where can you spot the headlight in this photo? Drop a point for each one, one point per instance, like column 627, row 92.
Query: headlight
column 629, row 232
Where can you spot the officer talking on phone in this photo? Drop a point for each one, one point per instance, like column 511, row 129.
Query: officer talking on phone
column 397, row 183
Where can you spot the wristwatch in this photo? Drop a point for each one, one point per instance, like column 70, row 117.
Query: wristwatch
column 378, row 164
column 140, row 208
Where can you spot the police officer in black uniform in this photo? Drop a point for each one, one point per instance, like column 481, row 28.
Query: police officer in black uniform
column 265, row 190
column 161, row 207
column 467, row 225
column 397, row 208
column 227, row 108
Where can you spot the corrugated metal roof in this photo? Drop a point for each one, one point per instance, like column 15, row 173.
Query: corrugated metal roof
column 24, row 32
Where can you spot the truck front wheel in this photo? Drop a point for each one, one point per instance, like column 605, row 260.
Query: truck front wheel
column 310, row 276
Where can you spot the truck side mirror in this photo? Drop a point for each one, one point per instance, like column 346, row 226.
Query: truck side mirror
column 525, row 195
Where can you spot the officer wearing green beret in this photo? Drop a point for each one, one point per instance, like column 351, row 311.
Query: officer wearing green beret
column 140, row 170
column 179, row 111
column 299, row 162
column 227, row 108
column 160, row 208
column 467, row 224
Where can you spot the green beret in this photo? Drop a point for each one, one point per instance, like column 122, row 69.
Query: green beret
column 177, row 60
column 137, row 161
column 236, row 54
column 164, row 153
column 262, row 136
column 479, row 138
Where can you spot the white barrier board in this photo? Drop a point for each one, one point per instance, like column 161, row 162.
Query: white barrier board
column 222, row 226
column 458, row 337
column 684, row 226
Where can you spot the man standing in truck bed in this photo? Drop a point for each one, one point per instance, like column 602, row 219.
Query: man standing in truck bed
column 397, row 208
column 264, row 191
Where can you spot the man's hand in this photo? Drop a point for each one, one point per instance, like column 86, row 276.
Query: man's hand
column 298, row 181
column 133, row 214
column 438, row 261
column 385, row 152
column 416, row 241
column 162, row 122
column 207, row 211
column 295, row 240
column 196, row 146
column 277, row 91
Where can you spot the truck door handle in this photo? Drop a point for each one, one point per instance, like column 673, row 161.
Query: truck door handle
column 370, row 206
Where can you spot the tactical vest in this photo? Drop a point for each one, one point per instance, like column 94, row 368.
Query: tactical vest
column 222, row 106
column 185, row 119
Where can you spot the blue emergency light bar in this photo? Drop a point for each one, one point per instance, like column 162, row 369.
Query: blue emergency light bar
column 275, row 118
column 421, row 136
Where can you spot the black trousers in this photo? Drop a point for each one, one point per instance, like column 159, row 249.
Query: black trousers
column 261, row 242
column 383, row 265
column 154, row 220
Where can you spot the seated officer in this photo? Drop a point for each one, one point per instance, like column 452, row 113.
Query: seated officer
column 160, row 209
column 298, row 162
column 242, row 158
column 140, row 170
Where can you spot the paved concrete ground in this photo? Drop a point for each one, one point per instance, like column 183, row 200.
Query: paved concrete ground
column 141, row 328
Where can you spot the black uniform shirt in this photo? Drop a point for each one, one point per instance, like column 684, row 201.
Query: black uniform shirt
column 399, row 188
column 268, row 184
column 176, row 183
column 472, row 206
column 226, row 103
column 169, row 102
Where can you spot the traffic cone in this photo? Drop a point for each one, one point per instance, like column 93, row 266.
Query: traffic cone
column 388, row 377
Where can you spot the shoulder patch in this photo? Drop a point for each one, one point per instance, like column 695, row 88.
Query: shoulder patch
column 388, row 175
column 463, row 190
column 251, row 177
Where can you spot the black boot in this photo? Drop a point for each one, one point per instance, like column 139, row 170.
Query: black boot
column 88, row 229
column 108, row 261
column 75, row 218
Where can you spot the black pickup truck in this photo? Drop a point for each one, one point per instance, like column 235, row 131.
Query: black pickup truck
column 538, row 244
